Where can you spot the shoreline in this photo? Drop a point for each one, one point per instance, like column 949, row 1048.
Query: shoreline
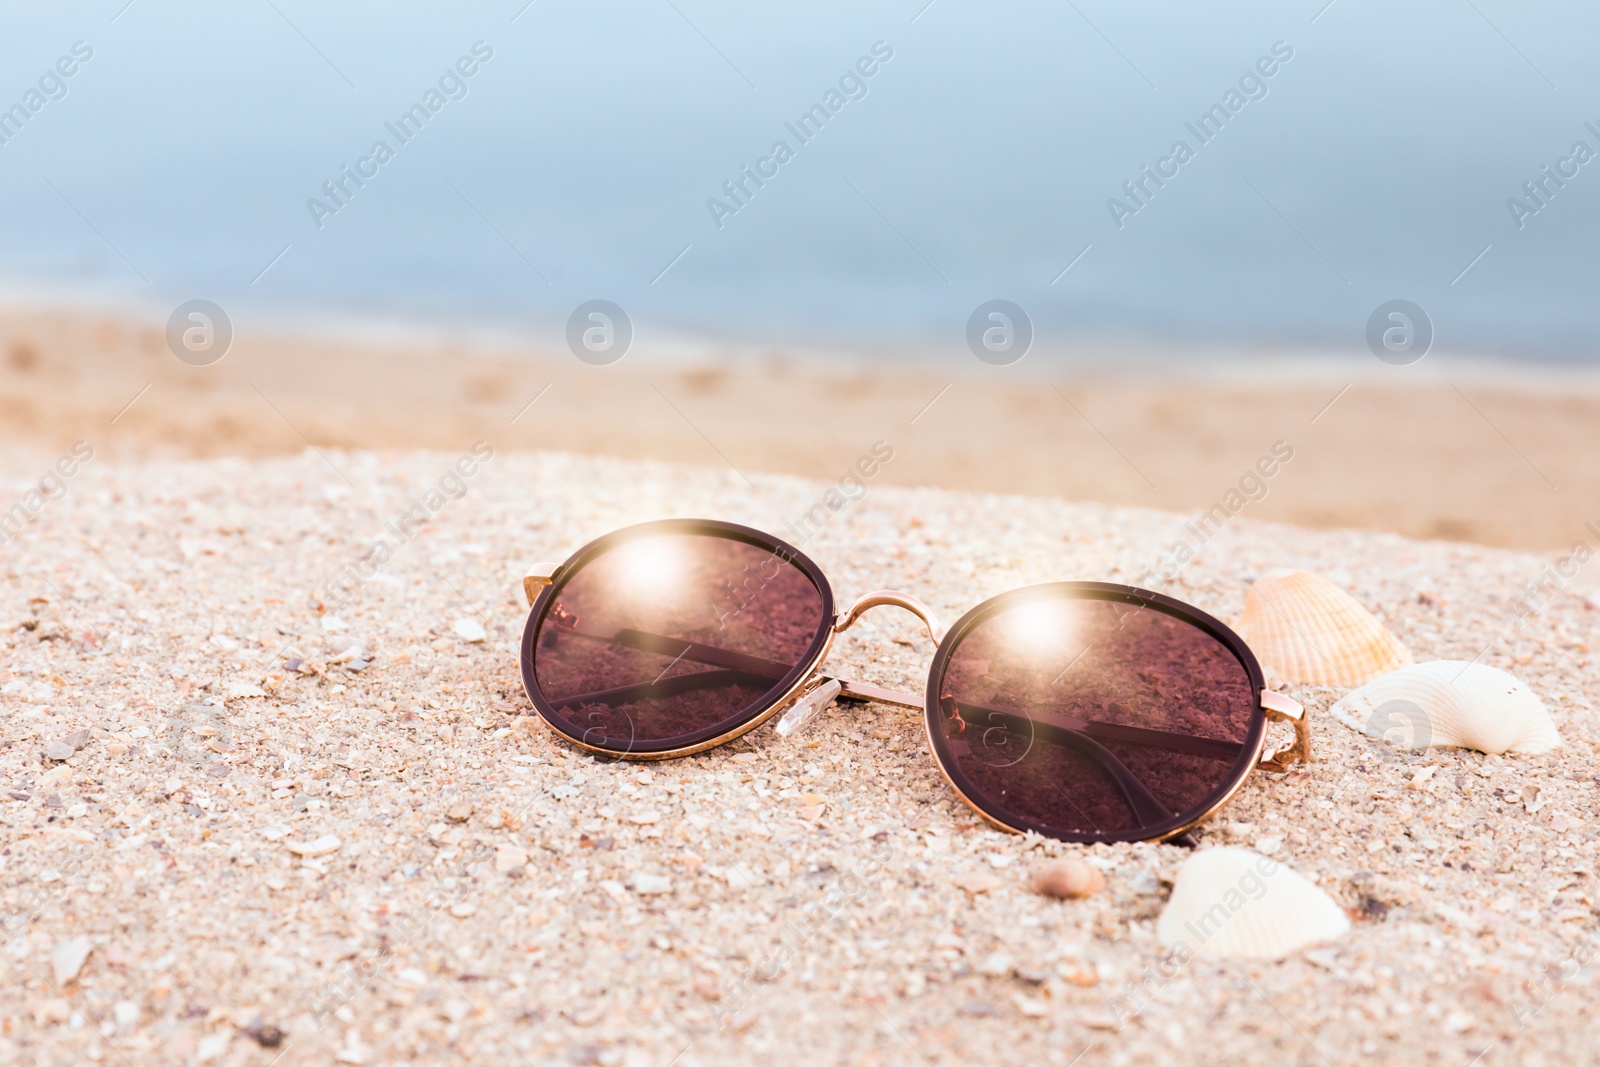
column 1488, row 454
column 1109, row 356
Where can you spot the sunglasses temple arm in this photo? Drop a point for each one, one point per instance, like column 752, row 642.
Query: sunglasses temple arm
column 736, row 664
column 1143, row 802
column 1145, row 806
column 1184, row 744
column 677, row 685
column 859, row 691
column 688, row 650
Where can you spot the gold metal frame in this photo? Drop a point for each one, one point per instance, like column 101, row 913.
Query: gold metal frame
column 1277, row 707
column 888, row 598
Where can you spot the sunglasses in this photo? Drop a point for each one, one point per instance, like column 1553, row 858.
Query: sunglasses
column 1081, row 711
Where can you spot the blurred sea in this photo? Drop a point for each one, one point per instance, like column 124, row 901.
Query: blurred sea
column 587, row 152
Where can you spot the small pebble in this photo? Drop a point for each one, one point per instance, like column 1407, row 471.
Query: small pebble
column 460, row 811
column 59, row 750
column 1068, row 879
column 470, row 630
column 995, row 965
column 68, row 957
column 126, row 1014
column 1032, row 1008
column 1083, row 977
column 651, row 884
column 268, row 1036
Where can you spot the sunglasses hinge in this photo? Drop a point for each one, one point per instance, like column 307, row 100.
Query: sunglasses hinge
column 539, row 575
column 1281, row 708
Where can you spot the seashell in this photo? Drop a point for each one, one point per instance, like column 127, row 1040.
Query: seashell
column 1307, row 630
column 1232, row 903
column 1448, row 704
column 1068, row 879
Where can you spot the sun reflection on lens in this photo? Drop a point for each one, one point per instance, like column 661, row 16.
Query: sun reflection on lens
column 1044, row 629
column 650, row 569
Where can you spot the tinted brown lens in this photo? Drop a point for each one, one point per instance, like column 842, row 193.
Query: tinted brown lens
column 668, row 639
column 1093, row 717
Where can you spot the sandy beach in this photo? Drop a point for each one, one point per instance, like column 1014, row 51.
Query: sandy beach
column 327, row 336
column 379, row 857
column 1485, row 456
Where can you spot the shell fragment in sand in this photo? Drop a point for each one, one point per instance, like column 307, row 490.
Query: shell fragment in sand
column 1451, row 704
column 68, row 957
column 1309, row 631
column 322, row 846
column 1233, row 903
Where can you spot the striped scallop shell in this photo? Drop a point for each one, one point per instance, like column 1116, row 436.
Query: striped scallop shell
column 1307, row 630
column 1451, row 704
column 1232, row 903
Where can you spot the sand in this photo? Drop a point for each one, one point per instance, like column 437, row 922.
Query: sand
column 206, row 857
column 1439, row 450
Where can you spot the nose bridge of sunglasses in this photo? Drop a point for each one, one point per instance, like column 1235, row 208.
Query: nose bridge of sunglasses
column 889, row 598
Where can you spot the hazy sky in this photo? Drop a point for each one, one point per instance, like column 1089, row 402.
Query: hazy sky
column 976, row 162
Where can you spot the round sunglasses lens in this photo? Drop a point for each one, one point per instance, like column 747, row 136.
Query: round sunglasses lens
column 665, row 640
column 1093, row 718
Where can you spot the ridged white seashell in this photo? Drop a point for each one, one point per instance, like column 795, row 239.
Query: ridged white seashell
column 1451, row 703
column 1233, row 903
column 1307, row 630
